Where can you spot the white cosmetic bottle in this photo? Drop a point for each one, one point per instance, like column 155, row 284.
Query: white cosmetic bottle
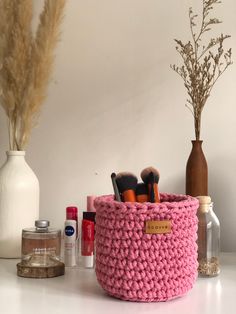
column 70, row 243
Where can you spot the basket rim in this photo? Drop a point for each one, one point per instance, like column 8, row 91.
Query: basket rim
column 181, row 200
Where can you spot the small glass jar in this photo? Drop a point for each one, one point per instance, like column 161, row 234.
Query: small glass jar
column 41, row 246
column 208, row 238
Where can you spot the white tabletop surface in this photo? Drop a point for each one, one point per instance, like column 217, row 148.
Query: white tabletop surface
column 78, row 292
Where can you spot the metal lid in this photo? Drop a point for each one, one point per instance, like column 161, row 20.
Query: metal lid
column 42, row 223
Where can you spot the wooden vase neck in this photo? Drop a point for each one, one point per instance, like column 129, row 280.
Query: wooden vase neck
column 196, row 171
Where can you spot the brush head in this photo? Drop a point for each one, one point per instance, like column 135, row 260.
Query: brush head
column 150, row 175
column 141, row 189
column 126, row 181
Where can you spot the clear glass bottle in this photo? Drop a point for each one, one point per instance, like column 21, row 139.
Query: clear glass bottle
column 41, row 246
column 208, row 238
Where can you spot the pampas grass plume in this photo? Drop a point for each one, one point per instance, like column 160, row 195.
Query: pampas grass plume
column 26, row 63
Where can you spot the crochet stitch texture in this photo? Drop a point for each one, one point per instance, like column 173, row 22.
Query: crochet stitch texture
column 135, row 266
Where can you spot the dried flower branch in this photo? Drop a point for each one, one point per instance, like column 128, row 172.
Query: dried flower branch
column 26, row 63
column 202, row 64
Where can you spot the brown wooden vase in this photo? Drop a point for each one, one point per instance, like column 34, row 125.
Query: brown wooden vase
column 196, row 171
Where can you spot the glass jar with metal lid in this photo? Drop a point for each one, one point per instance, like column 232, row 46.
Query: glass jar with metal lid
column 41, row 249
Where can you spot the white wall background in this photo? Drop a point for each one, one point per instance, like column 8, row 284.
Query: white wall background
column 114, row 104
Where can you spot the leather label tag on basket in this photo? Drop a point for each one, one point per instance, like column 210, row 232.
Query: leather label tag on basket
column 158, row 226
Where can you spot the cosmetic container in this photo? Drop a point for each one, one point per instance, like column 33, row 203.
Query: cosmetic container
column 70, row 243
column 208, row 238
column 41, row 248
column 72, row 214
column 87, row 239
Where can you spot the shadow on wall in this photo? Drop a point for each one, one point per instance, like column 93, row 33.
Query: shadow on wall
column 222, row 189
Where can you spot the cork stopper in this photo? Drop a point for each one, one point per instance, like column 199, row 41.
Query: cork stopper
column 205, row 203
column 204, row 199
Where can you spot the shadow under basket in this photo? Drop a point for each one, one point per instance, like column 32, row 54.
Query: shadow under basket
column 134, row 265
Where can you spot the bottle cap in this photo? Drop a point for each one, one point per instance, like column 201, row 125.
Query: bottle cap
column 72, row 213
column 90, row 203
column 204, row 200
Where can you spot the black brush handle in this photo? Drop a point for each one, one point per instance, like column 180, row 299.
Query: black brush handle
column 115, row 188
column 152, row 193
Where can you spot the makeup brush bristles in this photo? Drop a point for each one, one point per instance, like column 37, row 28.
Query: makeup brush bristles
column 141, row 189
column 126, row 181
column 145, row 175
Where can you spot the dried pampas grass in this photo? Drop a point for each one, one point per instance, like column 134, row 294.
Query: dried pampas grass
column 26, row 63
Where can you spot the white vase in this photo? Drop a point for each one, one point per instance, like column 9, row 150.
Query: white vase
column 19, row 202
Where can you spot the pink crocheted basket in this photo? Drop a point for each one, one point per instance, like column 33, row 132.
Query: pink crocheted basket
column 135, row 266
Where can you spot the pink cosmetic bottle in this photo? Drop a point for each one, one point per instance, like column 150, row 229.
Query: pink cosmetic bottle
column 90, row 203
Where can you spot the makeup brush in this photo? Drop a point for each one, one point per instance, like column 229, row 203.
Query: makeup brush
column 115, row 188
column 127, row 183
column 151, row 176
column 142, row 193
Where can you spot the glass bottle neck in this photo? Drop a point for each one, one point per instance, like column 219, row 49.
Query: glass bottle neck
column 205, row 208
